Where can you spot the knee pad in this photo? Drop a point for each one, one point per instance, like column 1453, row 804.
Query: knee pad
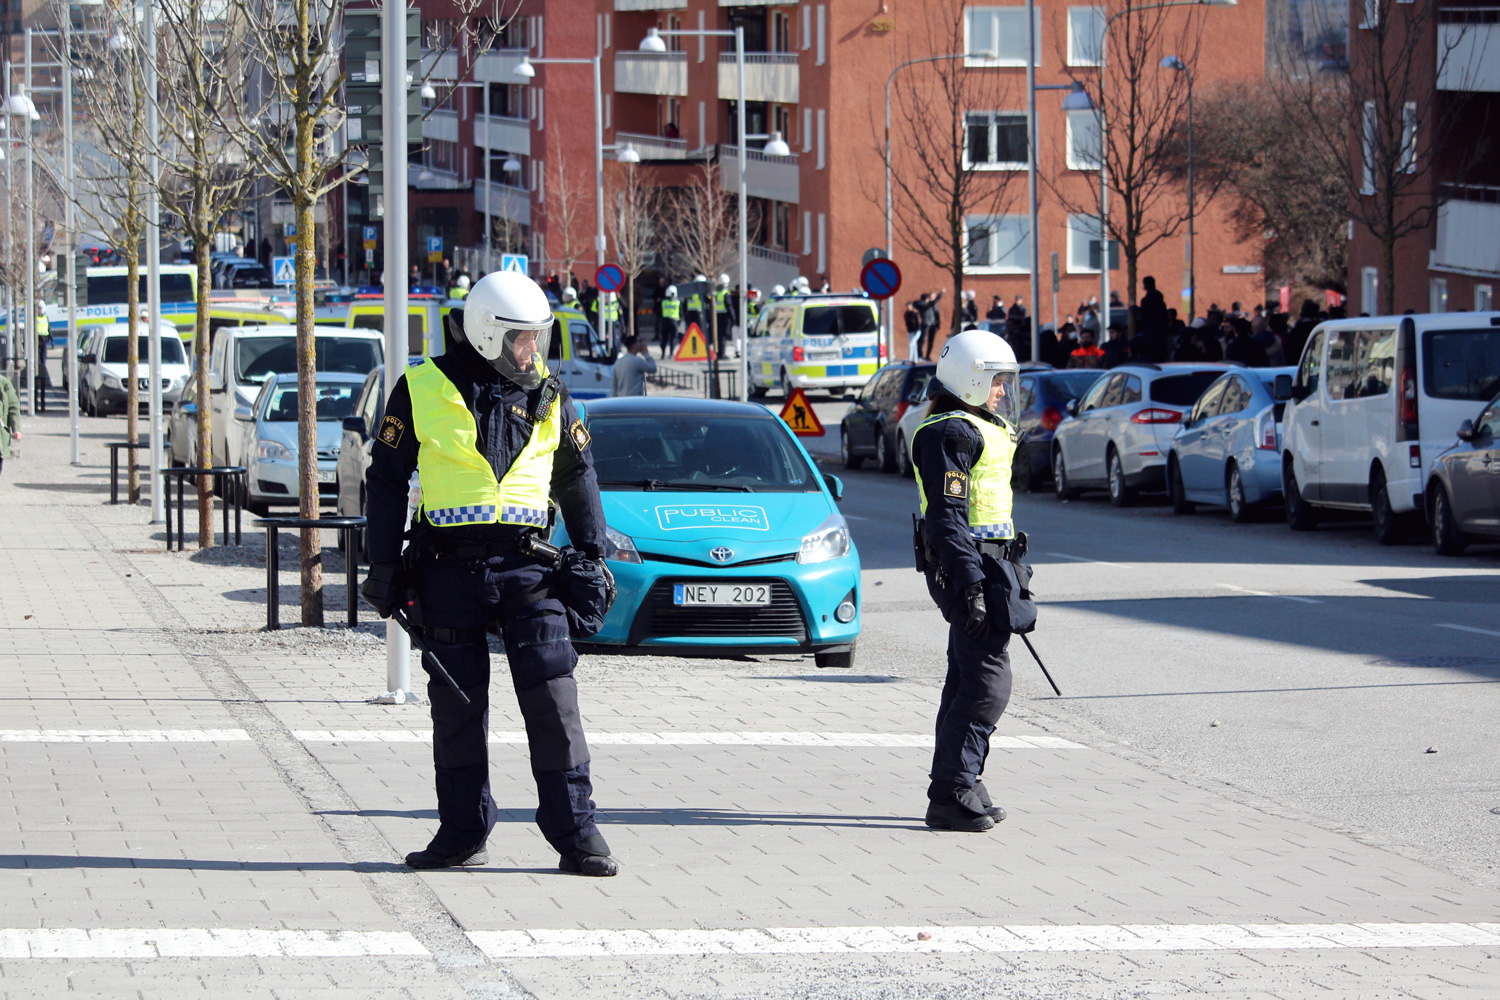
column 554, row 727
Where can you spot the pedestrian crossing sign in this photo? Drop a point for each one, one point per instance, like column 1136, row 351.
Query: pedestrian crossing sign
column 800, row 416
column 283, row 270
column 694, row 346
column 514, row 262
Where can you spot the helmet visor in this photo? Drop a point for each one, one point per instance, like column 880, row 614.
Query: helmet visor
column 522, row 357
column 1005, row 396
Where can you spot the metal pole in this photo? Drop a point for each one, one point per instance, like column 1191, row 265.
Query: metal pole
column 739, row 55
column 29, row 249
column 153, row 261
column 393, row 110
column 68, row 224
column 599, row 241
column 487, row 154
column 1104, row 190
column 890, row 303
column 1032, row 233
column 1192, row 242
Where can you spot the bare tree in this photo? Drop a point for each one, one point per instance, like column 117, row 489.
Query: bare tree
column 566, row 207
column 1377, row 132
column 1143, row 107
column 705, row 233
column 632, row 217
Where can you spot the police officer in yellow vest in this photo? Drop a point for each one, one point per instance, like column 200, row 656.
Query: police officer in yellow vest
column 666, row 327
column 693, row 307
column 962, row 457
column 494, row 438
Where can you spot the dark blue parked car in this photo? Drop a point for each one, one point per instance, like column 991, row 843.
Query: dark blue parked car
column 1045, row 395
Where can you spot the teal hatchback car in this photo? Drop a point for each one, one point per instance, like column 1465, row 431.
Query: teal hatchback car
column 724, row 538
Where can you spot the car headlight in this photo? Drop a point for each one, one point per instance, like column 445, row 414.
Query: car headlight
column 272, row 450
column 830, row 541
column 619, row 547
column 111, row 382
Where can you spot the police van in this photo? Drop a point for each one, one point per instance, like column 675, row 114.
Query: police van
column 104, row 295
column 815, row 342
column 579, row 356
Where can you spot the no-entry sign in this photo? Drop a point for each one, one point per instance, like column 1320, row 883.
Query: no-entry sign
column 881, row 278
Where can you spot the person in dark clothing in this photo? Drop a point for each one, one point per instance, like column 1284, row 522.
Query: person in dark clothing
column 1116, row 350
column 1296, row 340
column 971, row 307
column 1016, row 322
column 1049, row 349
column 1208, row 345
column 932, row 319
column 996, row 312
column 494, row 442
column 1242, row 346
column 1152, row 317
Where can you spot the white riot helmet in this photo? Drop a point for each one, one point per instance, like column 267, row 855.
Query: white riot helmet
column 508, row 321
column 700, row 277
column 724, row 280
column 802, row 285
column 971, row 364
column 671, row 291
column 570, row 294
column 777, row 290
column 463, row 281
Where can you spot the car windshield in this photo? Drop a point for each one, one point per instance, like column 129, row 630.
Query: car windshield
column 258, row 358
column 1461, row 364
column 335, row 401
column 670, row 451
column 825, row 320
column 115, row 350
column 110, row 289
column 1068, row 386
column 1182, row 390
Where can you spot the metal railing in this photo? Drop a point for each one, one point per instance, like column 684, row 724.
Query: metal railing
column 1470, row 192
column 761, row 58
column 732, row 152
column 654, row 146
column 774, row 255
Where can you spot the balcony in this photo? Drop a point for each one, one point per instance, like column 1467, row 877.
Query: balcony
column 769, row 267
column 661, row 73
column 650, row 4
column 1467, row 43
column 1468, row 231
column 440, row 123
column 499, row 66
column 511, row 135
column 769, row 76
column 505, row 202
column 654, row 147
column 772, row 177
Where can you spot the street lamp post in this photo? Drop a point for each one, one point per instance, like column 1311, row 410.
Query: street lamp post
column 1174, row 63
column 1077, row 100
column 775, row 147
column 21, row 107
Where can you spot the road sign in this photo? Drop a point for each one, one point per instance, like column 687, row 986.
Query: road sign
column 369, row 256
column 799, row 415
column 873, row 253
column 434, row 249
column 694, row 346
column 609, row 277
column 289, row 229
column 283, row 270
column 372, row 233
column 1056, row 276
column 881, row 278
column 515, row 262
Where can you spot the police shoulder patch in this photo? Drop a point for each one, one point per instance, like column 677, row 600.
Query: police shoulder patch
column 956, row 484
column 579, row 434
column 391, row 430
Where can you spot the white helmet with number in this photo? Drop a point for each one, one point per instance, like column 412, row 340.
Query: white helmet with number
column 508, row 321
column 671, row 291
column 970, row 366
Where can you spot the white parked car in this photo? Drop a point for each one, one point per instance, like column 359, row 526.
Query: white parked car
column 1374, row 402
column 270, row 435
column 103, row 370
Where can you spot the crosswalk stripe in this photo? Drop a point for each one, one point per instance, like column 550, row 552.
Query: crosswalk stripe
column 515, row 944
column 199, row 942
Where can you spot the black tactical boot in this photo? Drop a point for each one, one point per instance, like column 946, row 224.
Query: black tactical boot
column 430, row 858
column 992, row 810
column 950, row 815
column 590, row 856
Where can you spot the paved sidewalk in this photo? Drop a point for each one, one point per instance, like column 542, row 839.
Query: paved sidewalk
column 197, row 807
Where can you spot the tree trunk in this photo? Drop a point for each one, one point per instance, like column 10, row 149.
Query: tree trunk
column 132, row 356
column 1388, row 274
column 307, row 388
column 1132, row 269
column 713, row 341
column 204, row 416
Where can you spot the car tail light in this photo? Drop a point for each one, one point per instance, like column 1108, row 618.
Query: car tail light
column 1406, row 364
column 1267, row 432
column 1156, row 415
column 798, row 354
column 901, row 408
column 1415, row 458
column 1051, row 418
column 882, row 353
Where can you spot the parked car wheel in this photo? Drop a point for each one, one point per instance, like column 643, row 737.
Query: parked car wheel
column 1300, row 515
column 1178, row 493
column 883, row 457
column 1060, row 485
column 785, row 383
column 1447, row 540
column 904, row 467
column 758, row 391
column 846, row 450
column 1121, row 494
column 1390, row 528
column 1240, row 509
column 841, row 661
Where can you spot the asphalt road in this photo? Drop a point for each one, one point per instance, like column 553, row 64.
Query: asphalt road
column 1318, row 673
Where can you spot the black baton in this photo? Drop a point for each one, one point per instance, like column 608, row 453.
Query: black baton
column 1039, row 663
column 419, row 640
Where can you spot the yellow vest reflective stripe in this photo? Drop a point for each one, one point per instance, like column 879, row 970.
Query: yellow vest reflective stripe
column 458, row 485
column 990, row 496
column 721, row 299
column 671, row 309
column 694, row 303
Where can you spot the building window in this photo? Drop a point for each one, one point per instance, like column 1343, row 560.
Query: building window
column 995, row 140
column 997, row 244
column 1438, row 296
column 1409, row 137
column 1085, row 36
column 1001, row 33
column 1484, row 298
column 1083, row 140
column 1367, row 149
column 781, row 226
column 781, row 31
column 1084, row 253
column 1372, row 14
column 1369, row 291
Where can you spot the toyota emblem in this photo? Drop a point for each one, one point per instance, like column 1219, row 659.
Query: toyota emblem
column 722, row 553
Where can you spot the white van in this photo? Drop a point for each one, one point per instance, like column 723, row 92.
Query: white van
column 1373, row 403
column 243, row 357
column 103, row 369
column 815, row 342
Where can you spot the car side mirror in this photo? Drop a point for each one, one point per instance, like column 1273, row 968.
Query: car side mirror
column 835, row 486
column 357, row 425
column 91, row 359
column 243, row 413
column 1282, row 390
column 1072, row 407
column 190, row 408
column 1466, row 431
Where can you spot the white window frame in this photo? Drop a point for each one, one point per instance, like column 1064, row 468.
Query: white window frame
column 1007, row 224
column 1369, row 291
column 822, row 243
column 1367, row 150
column 1082, row 229
column 991, row 17
column 806, row 232
column 1484, row 298
column 1371, row 11
column 994, row 117
column 822, row 138
column 1437, row 295
column 807, row 130
column 822, row 35
column 1075, row 160
column 1077, row 53
column 1409, row 137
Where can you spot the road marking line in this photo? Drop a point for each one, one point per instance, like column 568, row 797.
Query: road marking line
column 1266, row 593
column 1467, row 628
column 199, row 942
column 990, row 939
column 1100, row 562
column 746, row 739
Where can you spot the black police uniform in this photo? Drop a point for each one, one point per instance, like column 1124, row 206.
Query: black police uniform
column 470, row 577
column 978, row 683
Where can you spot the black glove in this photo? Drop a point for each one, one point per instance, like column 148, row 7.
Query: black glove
column 979, row 618
column 610, row 590
column 380, row 589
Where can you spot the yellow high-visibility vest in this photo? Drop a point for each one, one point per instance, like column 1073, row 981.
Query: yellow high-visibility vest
column 671, row 309
column 988, row 486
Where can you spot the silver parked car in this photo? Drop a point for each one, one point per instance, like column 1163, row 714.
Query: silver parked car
column 1122, row 429
column 1463, row 492
column 354, row 450
column 271, row 437
column 1227, row 451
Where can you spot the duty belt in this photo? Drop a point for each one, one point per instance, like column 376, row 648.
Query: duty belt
column 999, row 550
